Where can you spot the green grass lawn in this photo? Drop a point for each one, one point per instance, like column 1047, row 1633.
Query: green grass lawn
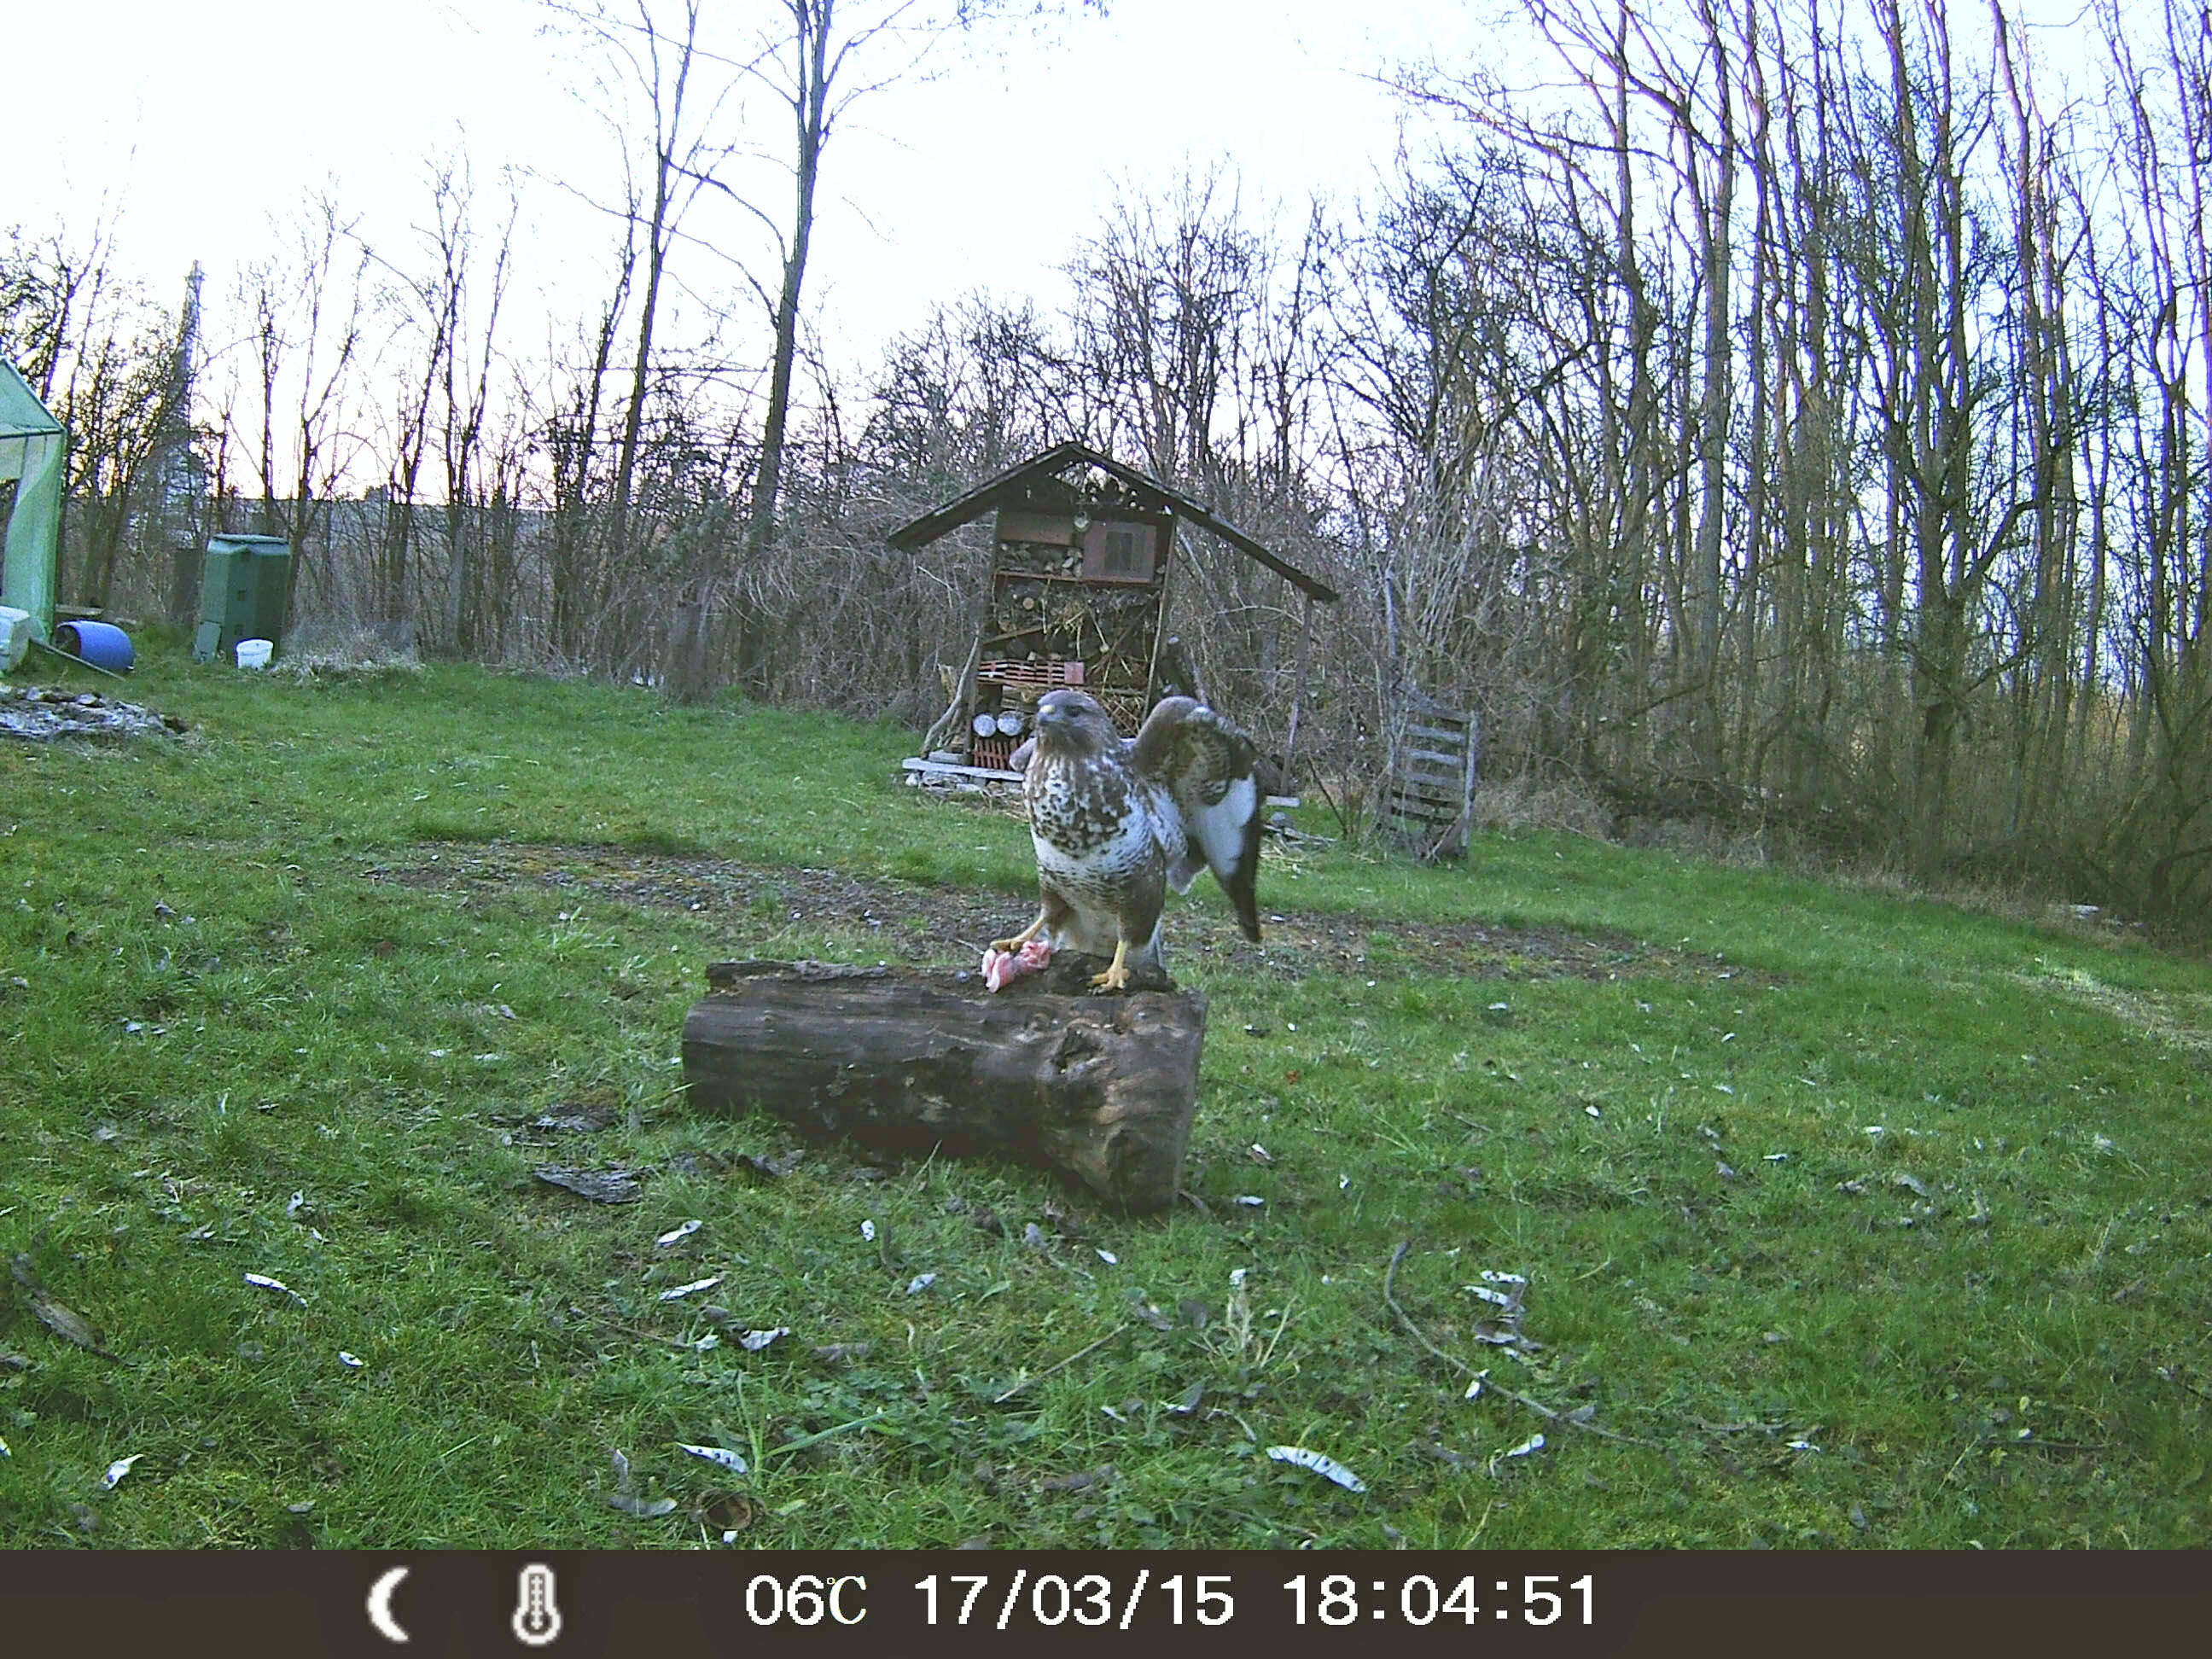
column 1846, row 1221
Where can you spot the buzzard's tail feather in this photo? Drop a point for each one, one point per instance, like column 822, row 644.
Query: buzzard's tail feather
column 1238, row 885
column 1239, row 881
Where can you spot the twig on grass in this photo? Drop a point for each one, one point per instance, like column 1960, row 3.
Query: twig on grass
column 807, row 1440
column 638, row 1331
column 1088, row 1347
column 1490, row 1385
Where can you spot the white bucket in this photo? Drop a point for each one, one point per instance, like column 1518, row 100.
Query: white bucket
column 15, row 638
column 254, row 654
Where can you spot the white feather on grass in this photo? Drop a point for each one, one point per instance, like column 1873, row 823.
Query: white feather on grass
column 1328, row 1467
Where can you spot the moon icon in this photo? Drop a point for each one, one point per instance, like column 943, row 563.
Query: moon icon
column 380, row 1606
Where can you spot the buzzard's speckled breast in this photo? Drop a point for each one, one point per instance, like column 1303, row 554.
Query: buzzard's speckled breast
column 1098, row 834
column 1116, row 823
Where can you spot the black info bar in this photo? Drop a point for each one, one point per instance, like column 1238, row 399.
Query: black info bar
column 666, row 1605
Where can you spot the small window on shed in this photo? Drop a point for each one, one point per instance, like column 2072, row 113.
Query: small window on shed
column 1119, row 552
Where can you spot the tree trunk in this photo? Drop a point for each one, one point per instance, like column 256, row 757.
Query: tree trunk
column 810, row 107
column 1102, row 1088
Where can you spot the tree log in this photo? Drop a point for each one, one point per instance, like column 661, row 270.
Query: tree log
column 1101, row 1087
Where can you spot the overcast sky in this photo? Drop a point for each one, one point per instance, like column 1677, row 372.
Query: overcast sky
column 197, row 129
column 198, row 126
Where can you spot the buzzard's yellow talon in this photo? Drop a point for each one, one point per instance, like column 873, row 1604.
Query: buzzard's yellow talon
column 1011, row 945
column 1116, row 976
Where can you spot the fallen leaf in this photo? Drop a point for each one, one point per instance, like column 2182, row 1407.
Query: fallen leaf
column 754, row 1341
column 625, row 1496
column 65, row 1321
column 677, row 1235
column 729, row 1513
column 614, row 1185
column 1082, row 1482
column 1147, row 1313
column 575, row 1119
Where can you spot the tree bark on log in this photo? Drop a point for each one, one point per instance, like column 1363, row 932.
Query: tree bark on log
column 1101, row 1087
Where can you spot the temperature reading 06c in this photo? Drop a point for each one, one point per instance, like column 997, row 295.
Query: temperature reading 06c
column 1421, row 1600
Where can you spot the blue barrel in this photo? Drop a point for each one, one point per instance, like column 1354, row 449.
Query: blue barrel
column 101, row 644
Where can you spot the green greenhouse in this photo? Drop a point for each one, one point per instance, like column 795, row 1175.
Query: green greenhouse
column 31, row 444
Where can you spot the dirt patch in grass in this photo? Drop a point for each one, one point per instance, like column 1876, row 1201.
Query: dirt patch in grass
column 933, row 926
column 2178, row 1021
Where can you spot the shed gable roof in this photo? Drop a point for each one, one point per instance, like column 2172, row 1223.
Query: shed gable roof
column 1006, row 486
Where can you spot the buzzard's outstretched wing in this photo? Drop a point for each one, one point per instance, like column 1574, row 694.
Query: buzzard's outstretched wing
column 1205, row 765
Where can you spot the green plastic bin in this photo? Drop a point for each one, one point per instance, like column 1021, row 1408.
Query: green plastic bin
column 242, row 589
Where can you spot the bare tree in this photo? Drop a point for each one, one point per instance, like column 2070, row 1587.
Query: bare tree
column 307, row 316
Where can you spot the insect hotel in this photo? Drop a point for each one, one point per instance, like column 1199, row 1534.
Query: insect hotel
column 1077, row 596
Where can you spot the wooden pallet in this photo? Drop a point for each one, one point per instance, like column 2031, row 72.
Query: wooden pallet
column 1431, row 794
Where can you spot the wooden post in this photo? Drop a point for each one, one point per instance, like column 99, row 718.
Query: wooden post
column 1101, row 1087
column 1298, row 700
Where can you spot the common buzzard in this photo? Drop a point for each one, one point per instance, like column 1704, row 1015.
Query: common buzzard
column 1116, row 823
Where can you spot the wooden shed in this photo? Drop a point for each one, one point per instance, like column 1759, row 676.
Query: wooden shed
column 1081, row 565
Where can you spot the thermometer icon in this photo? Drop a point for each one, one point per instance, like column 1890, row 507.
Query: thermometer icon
column 537, row 1621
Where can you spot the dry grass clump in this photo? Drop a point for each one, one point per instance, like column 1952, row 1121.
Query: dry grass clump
column 340, row 652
